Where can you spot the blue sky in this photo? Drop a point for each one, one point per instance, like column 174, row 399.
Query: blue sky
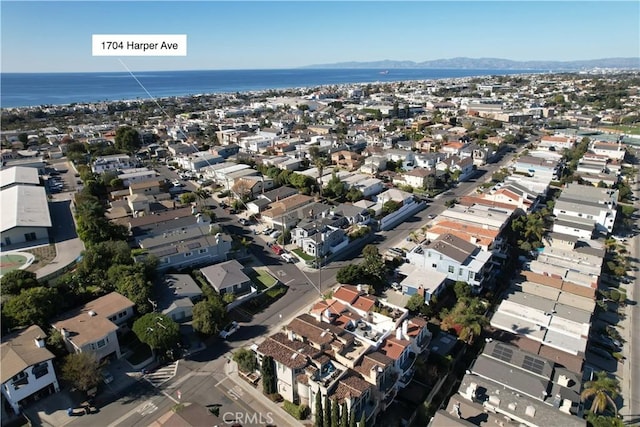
column 55, row 36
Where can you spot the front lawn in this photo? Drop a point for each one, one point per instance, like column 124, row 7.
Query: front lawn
column 262, row 278
column 303, row 255
column 265, row 299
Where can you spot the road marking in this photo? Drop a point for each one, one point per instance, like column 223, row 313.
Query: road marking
column 292, row 280
column 139, row 409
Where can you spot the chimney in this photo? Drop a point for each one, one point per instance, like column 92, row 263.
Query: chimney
column 39, row 342
column 327, row 315
column 359, row 288
column 64, row 333
column 399, row 333
column 405, row 328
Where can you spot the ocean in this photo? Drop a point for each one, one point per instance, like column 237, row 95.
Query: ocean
column 33, row 89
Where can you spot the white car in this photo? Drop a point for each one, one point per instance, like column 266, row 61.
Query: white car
column 288, row 257
column 275, row 234
column 229, row 330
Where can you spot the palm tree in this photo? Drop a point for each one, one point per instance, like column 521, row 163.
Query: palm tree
column 603, row 390
column 534, row 227
column 471, row 325
column 202, row 194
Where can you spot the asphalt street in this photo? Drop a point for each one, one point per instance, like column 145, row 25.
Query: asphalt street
column 202, row 377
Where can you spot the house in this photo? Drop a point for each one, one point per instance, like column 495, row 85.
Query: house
column 196, row 161
column 135, row 175
column 227, row 277
column 458, row 259
column 583, row 202
column 557, row 142
column 508, row 383
column 26, row 368
column 112, row 163
column 612, row 150
column 177, row 295
column 93, row 327
column 419, row 177
column 546, row 321
column 539, row 167
column 25, row 219
column 347, row 159
column 417, row 280
column 181, row 248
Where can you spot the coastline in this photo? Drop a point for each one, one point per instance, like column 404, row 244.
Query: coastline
column 33, row 90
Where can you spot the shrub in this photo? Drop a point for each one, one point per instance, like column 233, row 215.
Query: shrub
column 275, row 397
column 299, row 412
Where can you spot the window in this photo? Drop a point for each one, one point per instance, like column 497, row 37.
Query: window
column 203, row 251
column 460, row 272
column 29, row 237
column 19, row 380
column 40, row 370
column 122, row 314
column 187, row 254
column 471, row 275
column 112, row 318
column 451, row 269
column 434, row 265
column 101, row 343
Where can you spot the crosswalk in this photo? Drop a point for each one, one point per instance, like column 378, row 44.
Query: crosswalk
column 162, row 375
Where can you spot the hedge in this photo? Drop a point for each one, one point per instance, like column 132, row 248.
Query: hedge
column 299, row 412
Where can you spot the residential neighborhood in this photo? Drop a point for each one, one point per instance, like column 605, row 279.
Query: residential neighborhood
column 445, row 252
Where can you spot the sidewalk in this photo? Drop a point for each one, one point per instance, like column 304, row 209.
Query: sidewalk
column 231, row 369
column 626, row 329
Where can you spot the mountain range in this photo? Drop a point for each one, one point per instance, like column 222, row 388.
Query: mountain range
column 492, row 64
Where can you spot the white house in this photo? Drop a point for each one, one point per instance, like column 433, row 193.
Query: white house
column 114, row 162
column 26, row 370
column 458, row 259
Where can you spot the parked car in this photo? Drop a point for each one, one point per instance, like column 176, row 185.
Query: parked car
column 396, row 286
column 107, row 377
column 275, row 234
column 229, row 330
column 277, row 249
column 288, row 257
column 267, row 231
column 243, row 221
column 177, row 183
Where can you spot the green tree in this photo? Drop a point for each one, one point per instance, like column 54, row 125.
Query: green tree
column 390, row 206
column 15, row 281
column 353, row 195
column 350, row 274
column 373, row 264
column 603, row 390
column 127, row 139
column 135, row 286
column 335, row 188
column 363, row 420
column 352, row 418
column 246, row 360
column 335, row 414
column 462, row 289
column 209, row 316
column 268, row 375
column 186, row 198
column 318, row 420
column 344, row 416
column 83, row 370
column 596, row 420
column 32, row 306
column 415, row 303
column 327, row 411
column 55, row 343
column 157, row 330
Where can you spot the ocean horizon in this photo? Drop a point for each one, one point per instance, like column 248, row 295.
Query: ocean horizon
column 47, row 89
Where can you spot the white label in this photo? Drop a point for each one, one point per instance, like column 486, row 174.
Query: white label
column 139, row 44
